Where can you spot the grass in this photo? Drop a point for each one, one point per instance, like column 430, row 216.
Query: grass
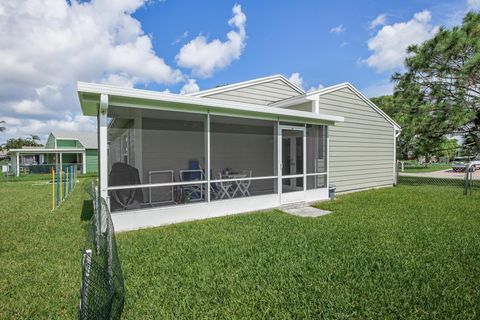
column 38, row 177
column 40, row 252
column 405, row 252
column 427, row 168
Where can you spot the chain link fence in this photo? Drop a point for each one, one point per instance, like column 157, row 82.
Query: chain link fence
column 465, row 179
column 102, row 291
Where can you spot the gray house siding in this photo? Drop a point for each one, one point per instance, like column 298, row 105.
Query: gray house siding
column 361, row 148
column 263, row 94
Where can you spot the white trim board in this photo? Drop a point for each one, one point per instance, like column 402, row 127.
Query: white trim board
column 47, row 150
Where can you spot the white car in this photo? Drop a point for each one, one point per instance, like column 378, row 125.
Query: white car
column 461, row 163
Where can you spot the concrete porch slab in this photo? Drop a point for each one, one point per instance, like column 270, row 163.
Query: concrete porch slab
column 304, row 210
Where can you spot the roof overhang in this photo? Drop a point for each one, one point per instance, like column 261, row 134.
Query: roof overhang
column 46, row 150
column 89, row 95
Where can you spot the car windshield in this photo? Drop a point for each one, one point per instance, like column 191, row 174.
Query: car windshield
column 458, row 159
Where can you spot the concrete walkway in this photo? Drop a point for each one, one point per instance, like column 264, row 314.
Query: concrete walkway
column 303, row 210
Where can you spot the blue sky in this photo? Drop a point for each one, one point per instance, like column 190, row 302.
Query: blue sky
column 185, row 46
column 290, row 36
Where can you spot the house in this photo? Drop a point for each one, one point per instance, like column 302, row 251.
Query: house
column 62, row 148
column 258, row 144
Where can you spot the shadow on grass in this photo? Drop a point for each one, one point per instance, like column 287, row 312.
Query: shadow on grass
column 87, row 210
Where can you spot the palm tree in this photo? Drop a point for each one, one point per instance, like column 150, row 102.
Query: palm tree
column 34, row 137
column 2, row 128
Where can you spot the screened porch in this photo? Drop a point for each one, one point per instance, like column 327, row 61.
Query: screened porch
column 166, row 159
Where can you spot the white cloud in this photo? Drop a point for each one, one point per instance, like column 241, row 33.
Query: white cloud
column 17, row 127
column 297, row 79
column 46, row 46
column 380, row 20
column 390, row 43
column 338, row 29
column 473, row 4
column 29, row 107
column 190, row 87
column 205, row 57
column 180, row 38
column 320, row 86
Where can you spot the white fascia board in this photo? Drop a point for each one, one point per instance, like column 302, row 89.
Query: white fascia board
column 202, row 104
column 47, row 150
column 244, row 84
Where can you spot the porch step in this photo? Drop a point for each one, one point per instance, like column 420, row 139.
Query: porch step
column 302, row 209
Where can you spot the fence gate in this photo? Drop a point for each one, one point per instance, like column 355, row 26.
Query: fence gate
column 466, row 180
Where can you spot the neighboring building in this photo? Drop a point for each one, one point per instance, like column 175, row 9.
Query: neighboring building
column 62, row 148
column 247, row 146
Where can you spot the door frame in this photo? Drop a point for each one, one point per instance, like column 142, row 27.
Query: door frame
column 294, row 196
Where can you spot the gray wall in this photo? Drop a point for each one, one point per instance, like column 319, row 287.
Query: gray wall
column 361, row 148
column 263, row 94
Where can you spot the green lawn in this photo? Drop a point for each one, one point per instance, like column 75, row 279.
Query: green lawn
column 39, row 252
column 427, row 168
column 405, row 252
column 36, row 177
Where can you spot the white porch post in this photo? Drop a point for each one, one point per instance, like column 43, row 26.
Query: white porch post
column 207, row 147
column 61, row 161
column 305, row 158
column 328, row 155
column 275, row 155
column 103, row 147
column 84, row 162
column 279, row 162
column 17, row 165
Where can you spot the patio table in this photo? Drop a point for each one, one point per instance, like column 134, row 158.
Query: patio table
column 237, row 183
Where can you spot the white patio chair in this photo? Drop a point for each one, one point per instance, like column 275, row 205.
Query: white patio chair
column 244, row 185
column 223, row 187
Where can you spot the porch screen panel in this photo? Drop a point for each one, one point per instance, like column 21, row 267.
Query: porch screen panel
column 163, row 149
column 244, row 148
column 316, row 156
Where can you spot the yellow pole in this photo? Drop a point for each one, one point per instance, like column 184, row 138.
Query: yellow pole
column 61, row 185
column 53, row 189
